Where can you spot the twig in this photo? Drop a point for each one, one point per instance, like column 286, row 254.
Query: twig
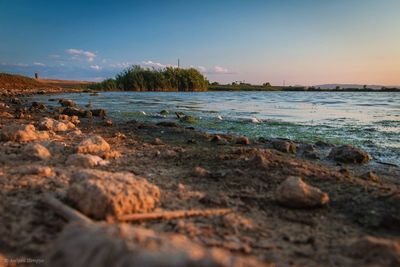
column 169, row 215
column 65, row 211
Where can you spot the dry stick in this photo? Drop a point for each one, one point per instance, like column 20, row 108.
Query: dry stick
column 169, row 215
column 65, row 211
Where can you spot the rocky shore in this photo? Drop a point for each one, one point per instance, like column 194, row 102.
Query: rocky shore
column 284, row 203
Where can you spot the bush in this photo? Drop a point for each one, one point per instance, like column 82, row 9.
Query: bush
column 136, row 78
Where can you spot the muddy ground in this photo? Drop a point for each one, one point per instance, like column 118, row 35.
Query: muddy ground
column 195, row 170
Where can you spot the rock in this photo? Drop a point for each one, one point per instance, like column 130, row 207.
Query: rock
column 108, row 122
column 374, row 251
column 294, row 193
column 259, row 161
column 74, row 119
column 67, row 103
column 157, row 141
column 104, row 245
column 187, row 119
column 284, row 146
column 219, row 140
column 86, row 160
column 36, row 151
column 99, row 193
column 3, row 105
column 168, row 124
column 38, row 105
column 200, row 172
column 110, row 154
column 99, row 112
column 164, row 112
column 93, row 144
column 81, row 113
column 22, row 133
column 349, row 154
column 6, row 114
column 371, row 176
column 243, row 140
column 56, row 126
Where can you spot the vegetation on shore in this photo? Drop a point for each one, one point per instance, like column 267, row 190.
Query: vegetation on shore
column 137, row 78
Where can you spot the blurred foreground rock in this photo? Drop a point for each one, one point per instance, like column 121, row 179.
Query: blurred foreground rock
column 97, row 245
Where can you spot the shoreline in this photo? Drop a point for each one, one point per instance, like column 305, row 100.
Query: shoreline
column 196, row 170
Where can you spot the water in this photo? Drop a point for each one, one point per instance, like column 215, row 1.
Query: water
column 370, row 120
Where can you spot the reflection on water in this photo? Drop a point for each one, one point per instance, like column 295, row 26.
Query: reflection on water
column 366, row 119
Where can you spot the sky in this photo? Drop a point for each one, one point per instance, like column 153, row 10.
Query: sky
column 305, row 42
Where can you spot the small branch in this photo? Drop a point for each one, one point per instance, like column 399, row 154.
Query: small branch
column 169, row 215
column 65, row 211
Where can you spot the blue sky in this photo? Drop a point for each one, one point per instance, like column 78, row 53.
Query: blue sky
column 302, row 42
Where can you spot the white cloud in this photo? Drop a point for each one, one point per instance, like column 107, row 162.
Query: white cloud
column 150, row 63
column 202, row 68
column 76, row 53
column 95, row 67
column 39, row 64
column 220, row 70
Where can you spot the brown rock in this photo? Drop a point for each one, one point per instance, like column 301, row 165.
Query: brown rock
column 86, row 160
column 108, row 122
column 22, row 133
column 219, row 140
column 157, row 141
column 81, row 113
column 294, row 193
column 284, row 146
column 349, row 154
column 99, row 112
column 243, row 140
column 7, row 115
column 102, row 245
column 56, row 126
column 36, row 151
column 371, row 176
column 67, row 103
column 200, row 172
column 93, row 144
column 99, row 193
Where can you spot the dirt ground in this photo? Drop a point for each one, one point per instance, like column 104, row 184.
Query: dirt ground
column 196, row 170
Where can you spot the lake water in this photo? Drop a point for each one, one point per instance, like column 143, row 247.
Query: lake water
column 370, row 120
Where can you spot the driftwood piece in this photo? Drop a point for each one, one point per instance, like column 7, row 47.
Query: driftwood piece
column 65, row 211
column 169, row 215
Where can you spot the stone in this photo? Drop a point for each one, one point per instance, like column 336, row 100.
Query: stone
column 200, row 172
column 349, row 154
column 157, row 141
column 74, row 119
column 99, row 194
column 93, row 144
column 86, row 160
column 36, row 151
column 243, row 140
column 374, row 251
column 54, row 125
column 284, row 146
column 108, row 122
column 104, row 245
column 22, row 133
column 38, row 105
column 6, row 114
column 219, row 140
column 99, row 112
column 67, row 103
column 81, row 113
column 294, row 193
column 260, row 161
column 371, row 176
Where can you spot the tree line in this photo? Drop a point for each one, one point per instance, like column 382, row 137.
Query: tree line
column 137, row 78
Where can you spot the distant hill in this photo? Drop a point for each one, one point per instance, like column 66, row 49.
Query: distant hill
column 359, row 86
